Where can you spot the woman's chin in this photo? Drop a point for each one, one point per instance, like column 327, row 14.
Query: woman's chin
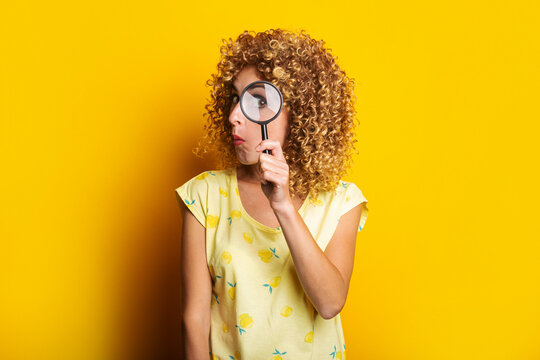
column 247, row 160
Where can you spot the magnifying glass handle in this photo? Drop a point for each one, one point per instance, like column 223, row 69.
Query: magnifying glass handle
column 264, row 134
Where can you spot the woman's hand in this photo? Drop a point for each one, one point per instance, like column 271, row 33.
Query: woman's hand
column 274, row 174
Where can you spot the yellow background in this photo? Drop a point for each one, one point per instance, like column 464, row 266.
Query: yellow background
column 102, row 101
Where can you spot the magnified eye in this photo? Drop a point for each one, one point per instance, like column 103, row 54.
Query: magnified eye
column 261, row 101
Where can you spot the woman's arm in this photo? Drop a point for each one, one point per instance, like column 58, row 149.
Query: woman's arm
column 196, row 289
column 325, row 276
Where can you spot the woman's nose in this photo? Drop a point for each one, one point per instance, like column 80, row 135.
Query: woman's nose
column 236, row 116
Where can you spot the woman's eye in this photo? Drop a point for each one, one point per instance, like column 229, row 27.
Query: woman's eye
column 234, row 98
column 261, row 101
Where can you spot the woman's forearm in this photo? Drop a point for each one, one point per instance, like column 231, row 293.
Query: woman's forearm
column 196, row 340
column 321, row 280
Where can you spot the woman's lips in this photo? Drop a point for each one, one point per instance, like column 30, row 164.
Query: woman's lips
column 237, row 140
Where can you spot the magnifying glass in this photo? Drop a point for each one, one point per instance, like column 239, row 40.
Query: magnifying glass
column 261, row 102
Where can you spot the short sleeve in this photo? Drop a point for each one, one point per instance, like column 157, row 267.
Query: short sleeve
column 352, row 197
column 194, row 194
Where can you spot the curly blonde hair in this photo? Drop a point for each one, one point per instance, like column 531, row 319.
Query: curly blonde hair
column 318, row 94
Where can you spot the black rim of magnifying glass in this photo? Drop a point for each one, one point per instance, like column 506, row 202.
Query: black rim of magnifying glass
column 280, row 102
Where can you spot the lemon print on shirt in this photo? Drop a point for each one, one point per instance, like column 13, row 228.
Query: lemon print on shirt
column 235, row 215
column 286, row 311
column 248, row 237
column 335, row 354
column 273, row 283
column 204, row 175
column 214, row 299
column 226, row 257
column 211, row 221
column 232, row 290
column 189, row 204
column 237, row 193
column 277, row 354
column 213, row 273
column 316, row 202
column 245, row 323
column 225, row 328
column 236, row 356
column 267, row 255
column 223, row 192
column 309, row 337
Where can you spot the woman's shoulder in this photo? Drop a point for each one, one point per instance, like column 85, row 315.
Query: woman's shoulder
column 350, row 190
column 339, row 195
column 210, row 176
column 343, row 187
column 201, row 191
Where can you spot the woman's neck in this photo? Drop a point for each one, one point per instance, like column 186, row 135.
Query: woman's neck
column 249, row 173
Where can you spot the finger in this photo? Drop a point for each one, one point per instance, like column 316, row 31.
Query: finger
column 277, row 179
column 272, row 145
column 270, row 162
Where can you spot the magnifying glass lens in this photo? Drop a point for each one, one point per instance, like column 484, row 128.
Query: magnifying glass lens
column 261, row 102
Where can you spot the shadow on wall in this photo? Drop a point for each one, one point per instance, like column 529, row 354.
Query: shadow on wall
column 151, row 292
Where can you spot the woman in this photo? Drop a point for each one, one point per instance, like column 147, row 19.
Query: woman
column 268, row 241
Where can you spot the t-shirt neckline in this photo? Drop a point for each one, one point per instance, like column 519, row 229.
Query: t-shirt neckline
column 246, row 214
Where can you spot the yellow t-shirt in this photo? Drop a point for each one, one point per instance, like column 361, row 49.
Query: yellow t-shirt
column 258, row 308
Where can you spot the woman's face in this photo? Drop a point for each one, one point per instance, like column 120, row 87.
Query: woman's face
column 248, row 130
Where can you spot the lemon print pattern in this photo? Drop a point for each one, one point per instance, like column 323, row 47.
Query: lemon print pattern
column 268, row 255
column 286, row 311
column 273, row 283
column 262, row 270
column 223, row 192
column 235, row 215
column 214, row 299
column 316, row 201
column 213, row 273
column 335, row 354
column 245, row 322
column 232, row 290
column 226, row 257
column 277, row 355
column 211, row 221
column 204, row 175
column 189, row 203
column 248, row 237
